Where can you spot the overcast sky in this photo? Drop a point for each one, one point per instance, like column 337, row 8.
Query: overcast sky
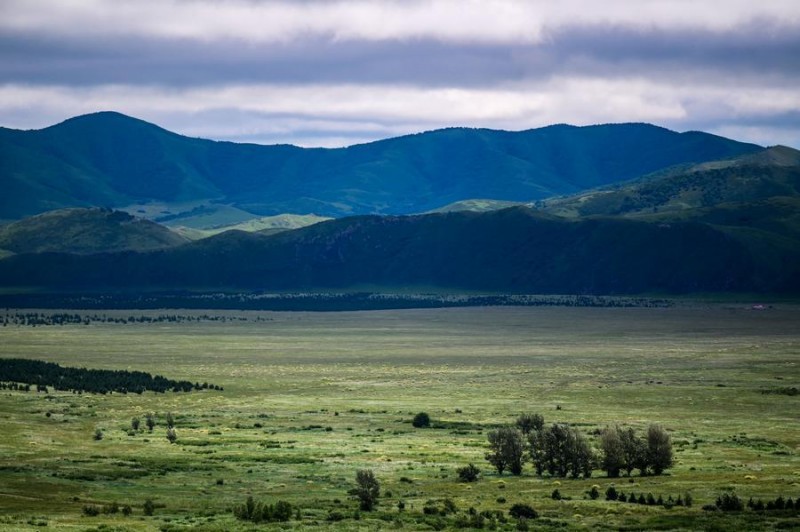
column 333, row 73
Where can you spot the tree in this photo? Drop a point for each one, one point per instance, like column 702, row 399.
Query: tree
column 135, row 422
column 634, row 452
column 150, row 421
column 98, row 434
column 368, row 489
column 507, row 448
column 528, row 423
column 613, row 451
column 422, row 420
column 659, row 449
column 561, row 450
column 170, row 420
column 172, row 436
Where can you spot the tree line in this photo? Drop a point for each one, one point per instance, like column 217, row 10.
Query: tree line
column 561, row 450
column 43, row 374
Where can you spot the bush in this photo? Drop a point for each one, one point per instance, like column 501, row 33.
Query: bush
column 149, row 507
column 468, row 473
column 172, row 436
column 421, row 420
column 729, row 502
column 611, row 494
column 91, row 510
column 556, row 495
column 127, row 510
column 335, row 516
column 98, row 435
column 523, row 511
column 594, row 493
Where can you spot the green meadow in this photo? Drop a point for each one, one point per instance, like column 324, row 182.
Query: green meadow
column 310, row 398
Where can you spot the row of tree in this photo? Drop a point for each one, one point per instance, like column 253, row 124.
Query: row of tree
column 561, row 450
column 43, row 374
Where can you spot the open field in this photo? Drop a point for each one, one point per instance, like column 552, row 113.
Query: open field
column 309, row 398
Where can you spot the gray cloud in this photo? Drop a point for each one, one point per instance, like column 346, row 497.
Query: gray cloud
column 259, row 70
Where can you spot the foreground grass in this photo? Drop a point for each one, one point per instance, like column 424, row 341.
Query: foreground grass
column 311, row 398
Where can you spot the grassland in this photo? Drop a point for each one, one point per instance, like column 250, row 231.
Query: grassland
column 309, row 398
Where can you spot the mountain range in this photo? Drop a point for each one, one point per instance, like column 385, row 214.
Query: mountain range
column 668, row 224
column 112, row 160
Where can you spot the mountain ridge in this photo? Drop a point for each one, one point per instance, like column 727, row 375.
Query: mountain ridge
column 109, row 159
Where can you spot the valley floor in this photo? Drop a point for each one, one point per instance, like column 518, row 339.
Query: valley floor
column 309, row 398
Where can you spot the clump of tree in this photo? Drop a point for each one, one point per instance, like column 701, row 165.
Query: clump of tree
column 258, row 512
column 729, row 502
column 42, row 374
column 367, row 489
column 528, row 423
column 506, row 450
column 623, row 451
column 421, row 421
column 561, row 450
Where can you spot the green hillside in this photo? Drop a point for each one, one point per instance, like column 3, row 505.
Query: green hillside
column 85, row 231
column 513, row 250
column 264, row 225
column 109, row 159
column 774, row 172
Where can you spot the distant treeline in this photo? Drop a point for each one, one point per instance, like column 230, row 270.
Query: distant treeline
column 312, row 301
column 33, row 319
column 42, row 374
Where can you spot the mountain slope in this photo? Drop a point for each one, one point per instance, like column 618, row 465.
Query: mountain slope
column 513, row 250
column 774, row 172
column 85, row 231
column 112, row 160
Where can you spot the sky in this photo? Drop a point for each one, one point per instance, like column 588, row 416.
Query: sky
column 335, row 73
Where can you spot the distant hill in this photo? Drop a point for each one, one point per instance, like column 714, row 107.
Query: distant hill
column 774, row 172
column 515, row 250
column 85, row 231
column 108, row 159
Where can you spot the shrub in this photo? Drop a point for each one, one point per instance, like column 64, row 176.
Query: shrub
column 594, row 493
column 611, row 494
column 172, row 436
column 149, row 507
column 468, row 473
column 421, row 420
column 523, row 511
column 98, row 435
column 335, row 516
column 135, row 422
column 91, row 510
column 556, row 495
column 127, row 510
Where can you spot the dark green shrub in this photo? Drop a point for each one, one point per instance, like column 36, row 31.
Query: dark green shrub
column 149, row 507
column 523, row 511
column 91, row 510
column 468, row 473
column 421, row 420
column 611, row 494
column 556, row 495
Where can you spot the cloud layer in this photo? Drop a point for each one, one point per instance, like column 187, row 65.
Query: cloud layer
column 339, row 72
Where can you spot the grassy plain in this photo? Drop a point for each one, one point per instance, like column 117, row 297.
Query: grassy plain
column 309, row 398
